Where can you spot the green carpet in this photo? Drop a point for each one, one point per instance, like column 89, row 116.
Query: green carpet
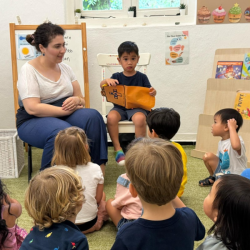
column 193, row 195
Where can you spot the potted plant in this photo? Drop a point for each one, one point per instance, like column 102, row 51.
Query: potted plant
column 182, row 9
column 131, row 11
column 78, row 13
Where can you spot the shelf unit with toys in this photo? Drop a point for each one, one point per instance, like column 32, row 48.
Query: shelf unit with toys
column 221, row 94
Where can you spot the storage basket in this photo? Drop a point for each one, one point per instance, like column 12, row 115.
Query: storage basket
column 11, row 154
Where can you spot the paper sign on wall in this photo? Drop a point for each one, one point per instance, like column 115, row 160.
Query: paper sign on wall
column 177, row 48
column 25, row 51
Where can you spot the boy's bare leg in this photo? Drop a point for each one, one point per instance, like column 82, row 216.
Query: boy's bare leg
column 114, row 213
column 112, row 124
column 211, row 161
column 139, row 119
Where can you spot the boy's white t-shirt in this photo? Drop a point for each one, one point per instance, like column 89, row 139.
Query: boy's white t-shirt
column 33, row 84
column 91, row 175
column 230, row 161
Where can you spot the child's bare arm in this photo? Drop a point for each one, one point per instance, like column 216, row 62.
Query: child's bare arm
column 109, row 81
column 234, row 137
column 15, row 207
column 99, row 193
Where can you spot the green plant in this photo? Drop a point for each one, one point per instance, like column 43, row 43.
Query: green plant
column 182, row 6
column 78, row 11
column 131, row 8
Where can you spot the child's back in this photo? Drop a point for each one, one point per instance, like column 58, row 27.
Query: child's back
column 155, row 170
column 11, row 235
column 177, row 232
column 53, row 199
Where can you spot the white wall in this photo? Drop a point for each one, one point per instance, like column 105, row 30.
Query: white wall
column 180, row 87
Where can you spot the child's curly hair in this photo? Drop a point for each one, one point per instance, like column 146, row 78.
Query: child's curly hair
column 53, row 196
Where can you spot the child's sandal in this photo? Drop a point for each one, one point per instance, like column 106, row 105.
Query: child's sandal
column 209, row 181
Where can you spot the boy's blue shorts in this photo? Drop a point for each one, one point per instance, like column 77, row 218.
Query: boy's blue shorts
column 126, row 114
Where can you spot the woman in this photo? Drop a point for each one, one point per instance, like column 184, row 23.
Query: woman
column 51, row 99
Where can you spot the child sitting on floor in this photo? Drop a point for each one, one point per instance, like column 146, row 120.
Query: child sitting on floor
column 227, row 205
column 231, row 155
column 125, row 208
column 71, row 149
column 53, row 199
column 128, row 57
column 155, row 169
column 11, row 235
column 164, row 123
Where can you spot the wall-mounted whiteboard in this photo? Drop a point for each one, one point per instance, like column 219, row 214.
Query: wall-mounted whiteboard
column 75, row 56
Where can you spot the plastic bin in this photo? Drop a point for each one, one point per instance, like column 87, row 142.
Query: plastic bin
column 11, row 154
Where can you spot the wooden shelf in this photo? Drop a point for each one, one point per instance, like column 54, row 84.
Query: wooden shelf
column 221, row 94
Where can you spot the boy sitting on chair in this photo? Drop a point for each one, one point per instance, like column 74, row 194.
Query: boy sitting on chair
column 164, row 123
column 128, row 57
column 155, row 169
column 231, row 155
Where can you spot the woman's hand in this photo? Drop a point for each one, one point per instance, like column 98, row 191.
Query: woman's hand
column 72, row 103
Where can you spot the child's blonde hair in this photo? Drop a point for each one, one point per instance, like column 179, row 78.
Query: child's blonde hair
column 155, row 168
column 53, row 196
column 71, row 148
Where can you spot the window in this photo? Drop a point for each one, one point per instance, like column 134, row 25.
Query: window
column 119, row 8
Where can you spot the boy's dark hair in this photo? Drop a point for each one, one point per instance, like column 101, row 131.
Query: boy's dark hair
column 226, row 114
column 164, row 121
column 127, row 47
column 44, row 34
column 232, row 201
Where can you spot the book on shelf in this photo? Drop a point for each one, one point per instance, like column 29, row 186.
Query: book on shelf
column 242, row 104
column 129, row 96
column 246, row 67
column 229, row 70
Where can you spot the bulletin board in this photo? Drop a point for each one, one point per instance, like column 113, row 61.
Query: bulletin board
column 76, row 56
column 217, row 12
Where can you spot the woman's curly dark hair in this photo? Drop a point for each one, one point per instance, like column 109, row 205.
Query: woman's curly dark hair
column 3, row 227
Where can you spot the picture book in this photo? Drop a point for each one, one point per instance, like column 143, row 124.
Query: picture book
column 229, row 70
column 242, row 104
column 129, row 96
column 246, row 67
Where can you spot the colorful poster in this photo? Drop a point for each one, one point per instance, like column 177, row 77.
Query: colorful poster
column 177, row 48
column 242, row 104
column 246, row 67
column 25, row 51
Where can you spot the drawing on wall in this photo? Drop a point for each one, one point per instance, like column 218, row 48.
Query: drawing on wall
column 25, row 51
column 247, row 14
column 203, row 15
column 219, row 15
column 235, row 14
column 224, row 12
column 177, row 48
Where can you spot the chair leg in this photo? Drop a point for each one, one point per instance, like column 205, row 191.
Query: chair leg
column 29, row 163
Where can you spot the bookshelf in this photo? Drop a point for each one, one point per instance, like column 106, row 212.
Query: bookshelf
column 221, row 94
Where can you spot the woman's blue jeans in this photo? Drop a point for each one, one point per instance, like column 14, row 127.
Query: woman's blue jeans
column 40, row 132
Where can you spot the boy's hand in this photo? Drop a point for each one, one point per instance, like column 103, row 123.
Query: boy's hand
column 232, row 124
column 152, row 91
column 112, row 82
